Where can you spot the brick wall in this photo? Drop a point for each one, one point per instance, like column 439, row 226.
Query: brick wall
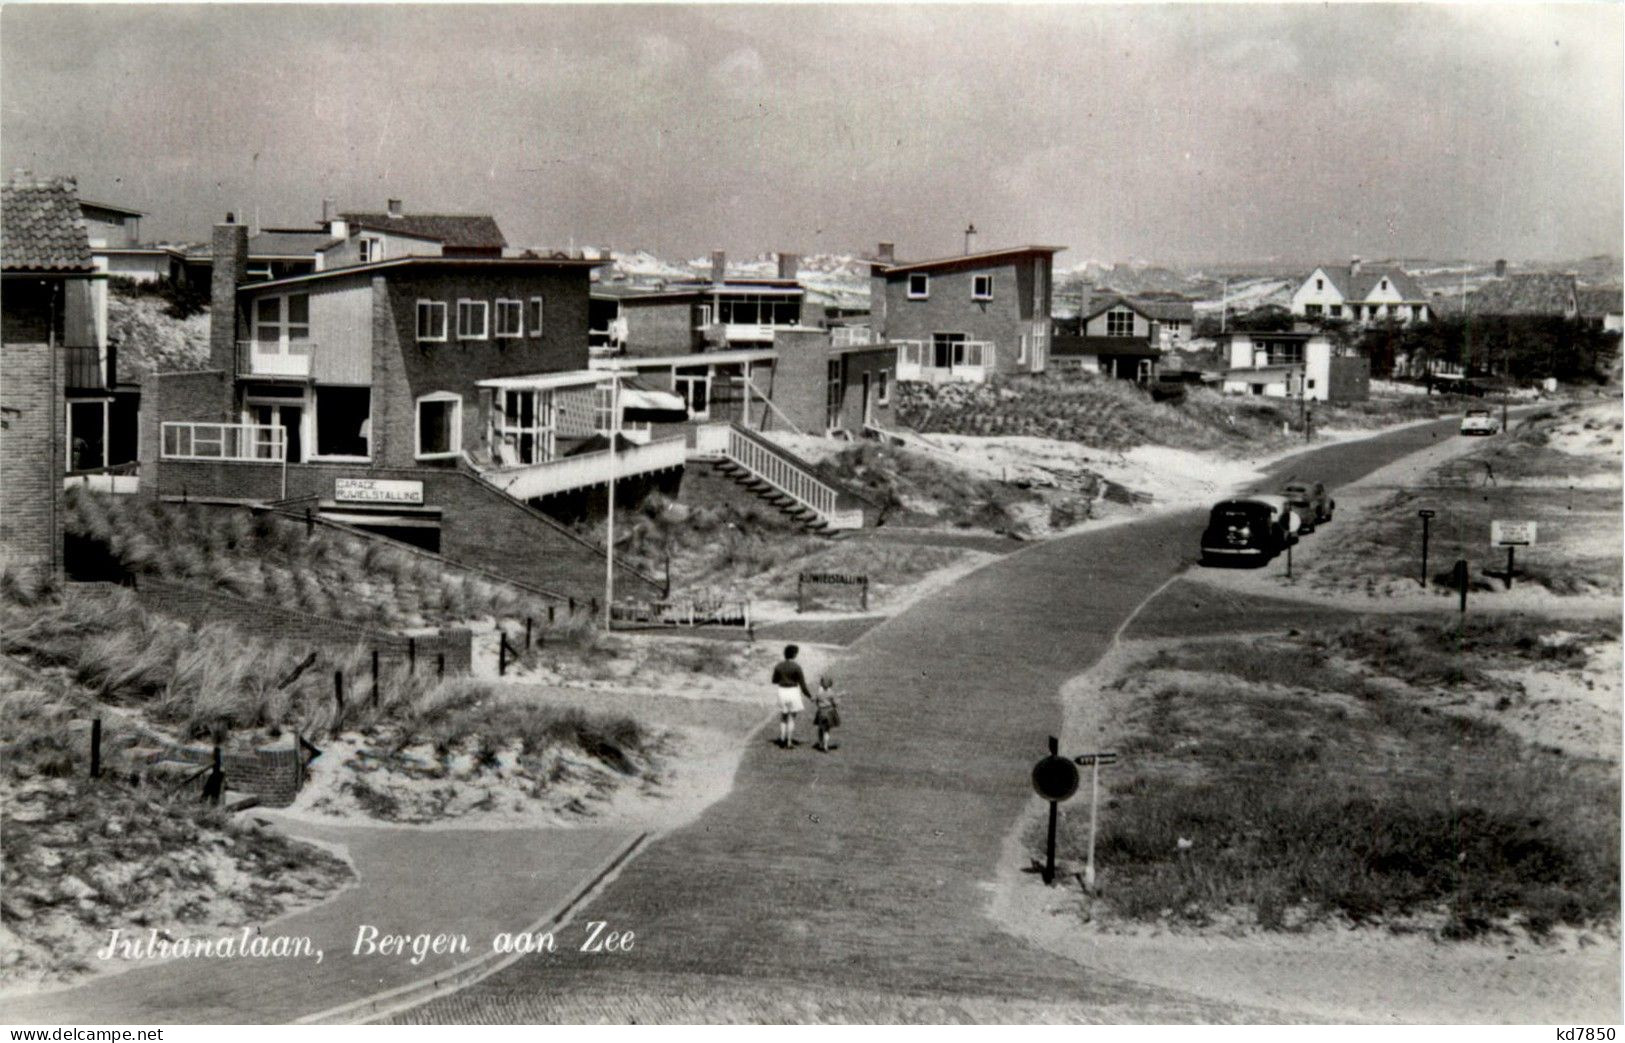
column 661, row 328
column 480, row 525
column 199, row 607
column 272, row 773
column 32, row 435
column 403, row 370
column 950, row 308
column 203, row 396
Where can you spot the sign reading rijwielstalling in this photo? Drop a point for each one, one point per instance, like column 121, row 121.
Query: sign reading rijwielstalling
column 377, row 490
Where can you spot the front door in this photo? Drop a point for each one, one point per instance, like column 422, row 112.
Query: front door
column 867, row 416
column 290, row 418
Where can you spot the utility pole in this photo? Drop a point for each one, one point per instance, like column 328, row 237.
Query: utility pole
column 609, row 539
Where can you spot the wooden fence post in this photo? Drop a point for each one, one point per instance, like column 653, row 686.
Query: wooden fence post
column 375, row 677
column 411, row 655
column 440, row 664
column 502, row 654
column 96, row 748
column 338, row 697
column 527, row 633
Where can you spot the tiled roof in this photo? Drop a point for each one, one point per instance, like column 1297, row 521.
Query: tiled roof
column 1161, row 311
column 1358, row 287
column 467, row 231
column 1068, row 345
column 1601, row 300
column 1535, row 293
column 41, row 227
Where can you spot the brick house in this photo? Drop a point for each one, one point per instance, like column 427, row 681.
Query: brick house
column 721, row 313
column 1362, row 295
column 47, row 272
column 434, row 399
column 967, row 317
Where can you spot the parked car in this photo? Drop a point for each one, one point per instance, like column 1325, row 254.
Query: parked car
column 1311, row 501
column 1479, row 422
column 1244, row 530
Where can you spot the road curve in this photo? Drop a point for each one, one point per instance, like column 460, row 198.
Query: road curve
column 864, row 871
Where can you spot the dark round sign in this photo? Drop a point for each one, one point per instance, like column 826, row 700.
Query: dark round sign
column 1055, row 778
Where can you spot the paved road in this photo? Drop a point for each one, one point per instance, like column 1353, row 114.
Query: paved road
column 865, row 873
column 476, row 882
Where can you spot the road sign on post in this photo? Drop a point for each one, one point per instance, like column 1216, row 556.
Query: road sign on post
column 1055, row 779
column 1093, row 761
column 1512, row 535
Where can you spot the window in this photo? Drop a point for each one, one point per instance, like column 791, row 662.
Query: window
column 949, row 350
column 1311, row 384
column 693, row 384
column 369, row 248
column 471, row 320
column 705, row 316
column 1311, row 309
column 281, row 319
column 431, row 320
column 344, row 422
column 1336, row 310
column 1021, row 356
column 1385, row 284
column 919, row 287
column 1320, row 284
column 534, row 319
column 524, row 427
column 439, row 426
column 883, row 387
column 1120, row 323
column 510, row 318
column 981, row 287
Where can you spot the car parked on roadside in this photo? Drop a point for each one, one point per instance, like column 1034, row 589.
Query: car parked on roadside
column 1479, row 422
column 1244, row 530
column 1311, row 501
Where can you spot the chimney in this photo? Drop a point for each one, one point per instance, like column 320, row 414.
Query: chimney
column 719, row 266
column 789, row 264
column 230, row 247
column 1354, row 267
column 394, row 208
column 887, row 252
column 329, row 211
column 970, row 238
column 1500, row 268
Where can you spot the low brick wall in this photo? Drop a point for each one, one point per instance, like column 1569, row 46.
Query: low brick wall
column 206, row 606
column 272, row 773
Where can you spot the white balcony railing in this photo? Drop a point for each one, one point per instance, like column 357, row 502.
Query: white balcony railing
column 533, row 481
column 285, row 358
column 250, row 443
column 969, row 360
column 851, row 336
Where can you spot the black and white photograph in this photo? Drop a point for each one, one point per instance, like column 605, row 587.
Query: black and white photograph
column 810, row 514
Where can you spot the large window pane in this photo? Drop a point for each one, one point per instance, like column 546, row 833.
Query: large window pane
column 437, row 427
column 343, row 421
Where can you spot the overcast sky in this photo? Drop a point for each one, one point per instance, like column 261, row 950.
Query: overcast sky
column 1165, row 133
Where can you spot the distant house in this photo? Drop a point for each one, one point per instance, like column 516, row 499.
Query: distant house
column 115, row 245
column 46, row 269
column 722, row 313
column 1126, row 358
column 1293, row 365
column 1532, row 294
column 1165, row 325
column 1602, row 308
column 459, row 235
column 1361, row 295
column 965, row 318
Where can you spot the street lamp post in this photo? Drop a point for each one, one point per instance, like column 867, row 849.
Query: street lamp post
column 609, row 538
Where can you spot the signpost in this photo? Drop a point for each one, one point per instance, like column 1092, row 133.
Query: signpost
column 807, row 582
column 1512, row 535
column 378, row 490
column 1425, row 514
column 1459, row 575
column 1055, row 778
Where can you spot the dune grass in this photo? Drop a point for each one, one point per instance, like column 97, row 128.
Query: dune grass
column 1261, row 782
column 264, row 557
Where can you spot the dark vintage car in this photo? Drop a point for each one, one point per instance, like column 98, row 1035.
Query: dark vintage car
column 1243, row 531
column 1313, row 504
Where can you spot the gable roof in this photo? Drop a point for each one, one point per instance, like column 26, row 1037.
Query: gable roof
column 1159, row 311
column 457, row 231
column 976, row 260
column 1601, row 300
column 1356, row 288
column 1533, row 293
column 42, row 228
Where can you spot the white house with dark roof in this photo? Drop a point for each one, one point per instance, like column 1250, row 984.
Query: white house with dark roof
column 1361, row 295
column 1166, row 325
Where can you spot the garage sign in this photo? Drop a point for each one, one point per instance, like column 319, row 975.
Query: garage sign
column 377, row 490
column 1512, row 534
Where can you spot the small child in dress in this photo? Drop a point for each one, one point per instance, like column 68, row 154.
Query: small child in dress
column 827, row 712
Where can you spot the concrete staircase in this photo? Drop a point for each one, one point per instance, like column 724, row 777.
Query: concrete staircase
column 780, row 478
column 770, row 494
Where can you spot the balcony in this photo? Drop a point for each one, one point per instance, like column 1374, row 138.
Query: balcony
column 275, row 359
column 968, row 361
column 243, row 443
column 851, row 336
